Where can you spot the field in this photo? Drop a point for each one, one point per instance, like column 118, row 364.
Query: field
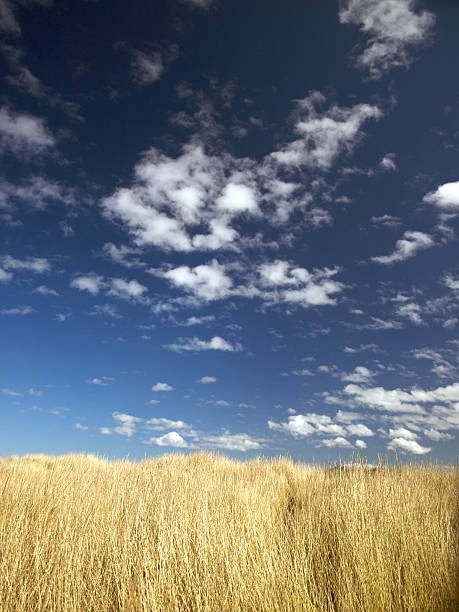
column 202, row 532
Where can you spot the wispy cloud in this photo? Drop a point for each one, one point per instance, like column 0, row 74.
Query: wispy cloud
column 196, row 344
column 407, row 247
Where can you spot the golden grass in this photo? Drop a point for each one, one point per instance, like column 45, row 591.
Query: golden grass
column 202, row 532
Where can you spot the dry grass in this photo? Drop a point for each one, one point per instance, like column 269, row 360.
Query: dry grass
column 205, row 533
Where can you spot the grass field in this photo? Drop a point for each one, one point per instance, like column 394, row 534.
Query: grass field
column 202, row 532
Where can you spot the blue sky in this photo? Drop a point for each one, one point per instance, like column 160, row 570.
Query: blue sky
column 230, row 225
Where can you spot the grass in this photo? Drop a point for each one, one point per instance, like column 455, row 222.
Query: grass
column 202, row 532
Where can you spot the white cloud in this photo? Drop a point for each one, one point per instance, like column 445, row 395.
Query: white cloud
column 161, row 386
column 34, row 392
column 106, row 431
column 205, row 380
column 446, row 197
column 410, row 446
column 190, row 321
column 436, row 435
column 359, row 429
column 23, row 134
column 339, row 442
column 402, row 432
column 172, row 438
column 324, row 135
column 393, row 27
column 387, row 163
column 103, row 381
column 126, row 425
column 122, row 255
column 92, row 283
column 126, row 290
column 8, row 21
column 411, row 311
column 237, row 442
column 5, row 276
column 205, row 282
column 308, row 424
column 81, row 427
column 44, row 290
column 12, row 393
column 195, row 344
column 161, row 423
column 387, row 220
column 38, row 265
column 361, row 374
column 108, row 310
column 17, row 310
column 147, row 68
column 360, row 444
column 35, row 193
column 347, row 417
column 407, row 247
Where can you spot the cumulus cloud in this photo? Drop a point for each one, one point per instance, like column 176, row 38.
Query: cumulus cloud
column 301, row 425
column 126, row 290
column 206, row 380
column 147, row 67
column 205, row 282
column 92, row 283
column 161, row 423
column 339, row 442
column 37, row 265
column 324, row 134
column 12, row 393
column 387, row 163
column 123, row 255
column 34, row 193
column 410, row 446
column 361, row 374
column 103, row 381
column 360, row 444
column 393, row 28
column 5, row 276
column 127, row 424
column 172, row 439
column 411, row 243
column 80, row 427
column 445, row 197
column 196, row 344
column 236, row 442
column 162, row 386
column 17, row 310
column 23, row 134
column 359, row 429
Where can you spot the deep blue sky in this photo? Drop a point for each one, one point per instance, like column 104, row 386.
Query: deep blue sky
column 229, row 225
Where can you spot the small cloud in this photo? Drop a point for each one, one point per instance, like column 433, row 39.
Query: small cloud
column 446, row 197
column 161, row 386
column 172, row 439
column 411, row 446
column 92, row 283
column 104, row 381
column 83, row 427
column 61, row 317
column 337, row 442
column 360, row 444
column 196, row 344
column 222, row 403
column 44, row 290
column 12, row 393
column 387, row 163
column 406, row 247
column 18, row 310
column 35, row 393
column 206, row 380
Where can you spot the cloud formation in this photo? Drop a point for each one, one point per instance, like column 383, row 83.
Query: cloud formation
column 407, row 247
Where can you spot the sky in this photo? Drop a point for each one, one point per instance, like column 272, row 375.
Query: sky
column 230, row 225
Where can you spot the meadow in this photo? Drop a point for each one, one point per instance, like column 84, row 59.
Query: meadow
column 203, row 532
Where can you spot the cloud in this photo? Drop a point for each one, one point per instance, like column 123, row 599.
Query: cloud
column 387, row 220
column 122, row 255
column 387, row 163
column 5, row 276
column 202, row 4
column 410, row 446
column 393, row 28
column 339, row 442
column 401, row 432
column 361, row 374
column 190, row 321
column 147, row 68
column 92, row 283
column 44, row 290
column 301, row 425
column 206, row 380
column 436, row 435
column 12, row 393
column 324, row 134
column 161, row 423
column 359, row 429
column 35, row 194
column 172, row 439
column 360, row 444
column 37, row 265
column 126, row 290
column 17, row 310
column 195, row 344
column 35, row 393
column 81, row 427
column 411, row 311
column 407, row 247
column 235, row 442
column 205, row 282
column 107, row 310
column 8, row 21
column 103, row 381
column 161, row 386
column 126, row 425
column 23, row 134
column 446, row 197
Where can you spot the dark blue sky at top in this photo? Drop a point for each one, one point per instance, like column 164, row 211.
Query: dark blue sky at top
column 309, row 343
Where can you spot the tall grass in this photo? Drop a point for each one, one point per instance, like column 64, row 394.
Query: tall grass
column 202, row 532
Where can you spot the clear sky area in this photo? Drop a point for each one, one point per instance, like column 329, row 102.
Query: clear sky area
column 230, row 225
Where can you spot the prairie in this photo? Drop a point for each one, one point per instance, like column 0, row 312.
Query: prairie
column 203, row 532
